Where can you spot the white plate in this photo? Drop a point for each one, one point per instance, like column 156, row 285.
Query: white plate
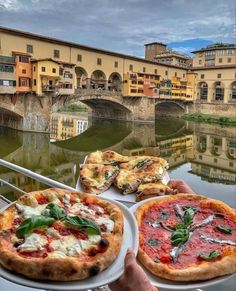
column 173, row 285
column 107, row 276
column 114, row 193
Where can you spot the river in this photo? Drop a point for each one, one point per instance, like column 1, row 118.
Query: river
column 201, row 154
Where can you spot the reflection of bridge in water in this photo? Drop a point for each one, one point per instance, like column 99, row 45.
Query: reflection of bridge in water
column 211, row 151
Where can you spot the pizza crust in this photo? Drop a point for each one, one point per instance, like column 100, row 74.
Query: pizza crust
column 60, row 269
column 205, row 270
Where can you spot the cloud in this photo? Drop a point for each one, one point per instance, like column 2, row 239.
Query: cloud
column 123, row 26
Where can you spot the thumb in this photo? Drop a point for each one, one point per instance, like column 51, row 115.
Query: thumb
column 130, row 258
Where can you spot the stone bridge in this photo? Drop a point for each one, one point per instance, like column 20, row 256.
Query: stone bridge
column 25, row 112
column 29, row 112
column 111, row 105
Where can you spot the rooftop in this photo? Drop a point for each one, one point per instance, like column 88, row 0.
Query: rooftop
column 216, row 46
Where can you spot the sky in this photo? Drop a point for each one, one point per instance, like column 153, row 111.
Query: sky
column 126, row 25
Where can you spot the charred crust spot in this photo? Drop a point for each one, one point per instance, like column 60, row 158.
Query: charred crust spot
column 47, row 272
column 94, row 270
column 9, row 262
column 72, row 272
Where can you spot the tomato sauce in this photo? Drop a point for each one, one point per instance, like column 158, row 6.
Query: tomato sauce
column 160, row 250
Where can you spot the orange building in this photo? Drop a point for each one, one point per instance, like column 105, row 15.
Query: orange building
column 151, row 85
column 23, row 71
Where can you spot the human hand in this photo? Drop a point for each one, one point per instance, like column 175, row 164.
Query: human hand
column 180, row 186
column 134, row 278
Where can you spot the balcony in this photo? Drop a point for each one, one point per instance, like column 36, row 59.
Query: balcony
column 97, row 92
column 48, row 88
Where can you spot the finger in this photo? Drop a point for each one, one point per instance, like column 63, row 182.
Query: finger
column 130, row 257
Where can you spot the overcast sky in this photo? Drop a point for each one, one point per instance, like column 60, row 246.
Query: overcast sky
column 125, row 25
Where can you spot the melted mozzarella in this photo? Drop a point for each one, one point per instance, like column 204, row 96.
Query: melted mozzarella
column 107, row 222
column 66, row 200
column 79, row 207
column 29, row 211
column 71, row 246
column 33, row 242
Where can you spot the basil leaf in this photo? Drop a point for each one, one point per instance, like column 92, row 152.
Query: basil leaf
column 180, row 236
column 153, row 242
column 78, row 222
column 164, row 215
column 188, row 216
column 34, row 222
column 193, row 207
column 227, row 230
column 209, row 256
column 180, row 226
column 140, row 164
column 55, row 211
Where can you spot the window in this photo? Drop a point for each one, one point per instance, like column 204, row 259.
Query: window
column 215, row 161
column 6, row 68
column 56, row 54
column 7, row 83
column 131, row 67
column 34, row 68
column 200, row 62
column 229, row 60
column 23, row 59
column 23, row 82
column 35, row 82
column 200, row 157
column 79, row 58
column 54, row 70
column 183, row 75
column 220, row 60
column 43, row 69
column 61, row 71
column 218, row 75
column 175, row 74
column 116, row 64
column 99, row 61
column 29, row 48
column 144, row 69
column 231, row 164
column 23, row 71
column 202, row 76
column 155, row 71
column 68, row 75
column 166, row 73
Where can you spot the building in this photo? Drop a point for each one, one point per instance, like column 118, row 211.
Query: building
column 7, row 75
column 84, row 67
column 215, row 67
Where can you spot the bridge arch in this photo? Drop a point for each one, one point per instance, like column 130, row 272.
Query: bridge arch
column 169, row 107
column 107, row 107
column 81, row 78
column 98, row 80
column 115, row 82
column 10, row 119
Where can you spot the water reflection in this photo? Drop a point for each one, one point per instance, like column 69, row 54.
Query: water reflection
column 204, row 155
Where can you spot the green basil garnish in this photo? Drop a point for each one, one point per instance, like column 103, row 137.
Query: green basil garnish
column 180, row 226
column 209, row 256
column 35, row 222
column 194, row 208
column 179, row 236
column 55, row 211
column 116, row 163
column 188, row 216
column 226, row 230
column 83, row 223
column 153, row 242
column 140, row 164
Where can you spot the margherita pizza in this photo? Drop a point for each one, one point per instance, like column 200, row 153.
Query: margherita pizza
column 60, row 235
column 187, row 237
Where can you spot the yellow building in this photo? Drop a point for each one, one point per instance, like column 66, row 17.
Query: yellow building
column 215, row 67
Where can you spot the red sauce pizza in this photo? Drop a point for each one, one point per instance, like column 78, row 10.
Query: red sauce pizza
column 187, row 237
column 60, row 235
